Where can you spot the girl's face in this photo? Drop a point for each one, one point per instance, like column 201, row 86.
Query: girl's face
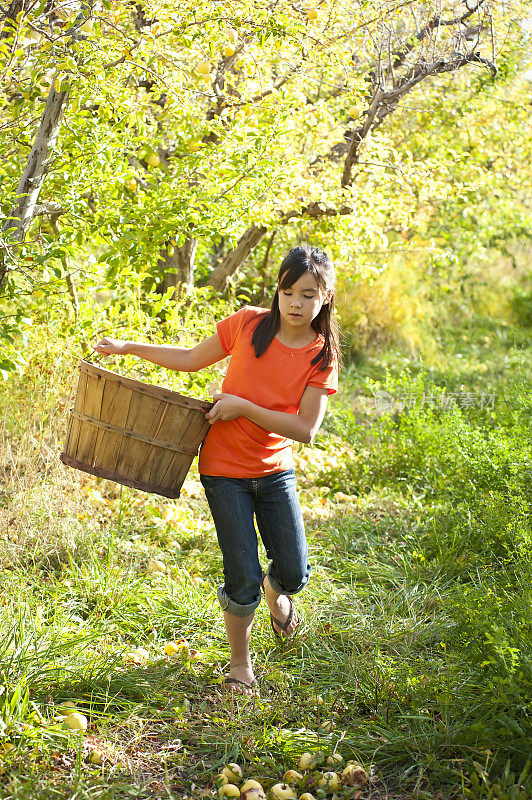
column 301, row 302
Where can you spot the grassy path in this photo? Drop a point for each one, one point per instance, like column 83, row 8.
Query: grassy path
column 414, row 655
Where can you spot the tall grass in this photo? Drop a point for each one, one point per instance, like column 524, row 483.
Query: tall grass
column 415, row 640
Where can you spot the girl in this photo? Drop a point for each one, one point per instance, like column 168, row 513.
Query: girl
column 283, row 367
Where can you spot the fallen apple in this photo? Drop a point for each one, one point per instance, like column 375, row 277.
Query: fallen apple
column 282, row 791
column 229, row 790
column 308, row 761
column 334, row 759
column 292, row 776
column 67, row 708
column 96, row 757
column 76, row 721
column 155, row 566
column 253, row 794
column 329, row 781
column 327, row 726
column 251, row 784
column 354, row 774
column 233, row 772
column 221, row 780
column 171, row 649
column 306, row 796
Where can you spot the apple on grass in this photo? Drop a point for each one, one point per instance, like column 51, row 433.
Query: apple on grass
column 67, row 708
column 329, row 781
column 251, row 783
column 253, row 794
column 76, row 722
column 354, row 774
column 96, row 757
column 155, row 566
column 233, row 772
column 229, row 790
column 282, row 791
column 292, row 776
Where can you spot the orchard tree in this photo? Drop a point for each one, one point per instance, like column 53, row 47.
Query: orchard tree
column 171, row 139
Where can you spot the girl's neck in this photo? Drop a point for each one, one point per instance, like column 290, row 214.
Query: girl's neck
column 296, row 338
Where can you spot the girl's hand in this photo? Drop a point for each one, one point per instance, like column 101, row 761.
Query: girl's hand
column 108, row 347
column 226, row 406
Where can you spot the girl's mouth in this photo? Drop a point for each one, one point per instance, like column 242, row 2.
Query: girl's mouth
column 292, row 314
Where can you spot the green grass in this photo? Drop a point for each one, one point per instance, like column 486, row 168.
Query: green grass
column 415, row 639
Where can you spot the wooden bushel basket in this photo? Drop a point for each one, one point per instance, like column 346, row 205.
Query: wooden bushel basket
column 133, row 433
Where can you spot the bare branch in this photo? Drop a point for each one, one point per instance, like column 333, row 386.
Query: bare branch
column 436, row 22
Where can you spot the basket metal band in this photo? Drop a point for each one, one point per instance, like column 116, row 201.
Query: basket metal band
column 189, row 451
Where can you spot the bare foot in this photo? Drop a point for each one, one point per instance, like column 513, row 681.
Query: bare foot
column 244, row 680
column 279, row 606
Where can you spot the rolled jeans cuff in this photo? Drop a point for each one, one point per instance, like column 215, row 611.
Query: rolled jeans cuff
column 237, row 609
column 279, row 589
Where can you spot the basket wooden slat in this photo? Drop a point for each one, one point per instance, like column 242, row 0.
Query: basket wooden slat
column 133, row 433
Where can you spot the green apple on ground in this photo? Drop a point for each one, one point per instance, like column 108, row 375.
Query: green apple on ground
column 354, row 774
column 292, row 776
column 309, row 760
column 334, row 759
column 251, row 783
column 229, row 790
column 282, row 791
column 307, row 796
column 76, row 721
column 329, row 781
column 67, row 708
column 253, row 794
column 96, row 757
column 233, row 772
column 155, row 566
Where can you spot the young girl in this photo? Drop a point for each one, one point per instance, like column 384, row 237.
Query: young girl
column 283, row 367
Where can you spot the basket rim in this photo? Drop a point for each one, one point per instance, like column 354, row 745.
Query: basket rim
column 152, row 390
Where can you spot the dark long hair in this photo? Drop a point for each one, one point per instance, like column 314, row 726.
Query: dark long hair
column 296, row 263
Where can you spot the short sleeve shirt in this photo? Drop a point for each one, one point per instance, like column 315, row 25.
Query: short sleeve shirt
column 239, row 448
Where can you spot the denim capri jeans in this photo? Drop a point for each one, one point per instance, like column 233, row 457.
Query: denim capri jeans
column 273, row 500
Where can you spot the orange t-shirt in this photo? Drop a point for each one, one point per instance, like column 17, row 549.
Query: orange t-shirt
column 239, row 448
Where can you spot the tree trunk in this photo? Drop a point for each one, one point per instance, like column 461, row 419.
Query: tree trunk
column 236, row 257
column 28, row 190
column 181, row 262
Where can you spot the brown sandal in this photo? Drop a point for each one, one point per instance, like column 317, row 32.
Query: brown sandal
column 282, row 625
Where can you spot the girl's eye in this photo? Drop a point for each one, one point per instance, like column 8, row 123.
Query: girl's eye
column 308, row 296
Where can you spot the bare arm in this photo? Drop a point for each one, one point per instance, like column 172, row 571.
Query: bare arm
column 301, row 427
column 177, row 358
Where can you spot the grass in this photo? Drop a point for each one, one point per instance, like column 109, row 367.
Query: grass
column 415, row 639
